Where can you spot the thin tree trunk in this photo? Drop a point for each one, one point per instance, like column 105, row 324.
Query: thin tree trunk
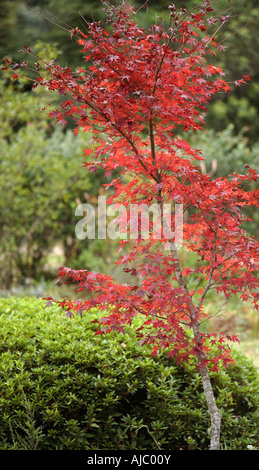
column 215, row 415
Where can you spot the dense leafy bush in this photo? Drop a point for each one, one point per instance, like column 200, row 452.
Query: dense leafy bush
column 62, row 387
column 41, row 182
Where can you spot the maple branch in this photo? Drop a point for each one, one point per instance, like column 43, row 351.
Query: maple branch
column 118, row 129
column 233, row 34
column 200, row 280
column 152, row 142
column 209, row 224
column 135, row 307
column 213, row 36
column 143, row 312
column 142, row 6
column 45, row 18
column 207, row 288
column 214, row 314
column 210, row 276
column 56, row 18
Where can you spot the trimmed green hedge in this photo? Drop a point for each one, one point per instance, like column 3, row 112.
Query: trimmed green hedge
column 62, row 387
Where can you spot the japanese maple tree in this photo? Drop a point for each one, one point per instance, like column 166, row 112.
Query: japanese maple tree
column 138, row 91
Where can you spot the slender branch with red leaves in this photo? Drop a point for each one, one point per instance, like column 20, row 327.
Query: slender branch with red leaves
column 137, row 91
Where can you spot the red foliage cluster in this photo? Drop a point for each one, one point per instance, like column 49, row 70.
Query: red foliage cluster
column 135, row 92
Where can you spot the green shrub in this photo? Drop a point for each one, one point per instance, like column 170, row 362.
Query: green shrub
column 63, row 387
column 41, row 183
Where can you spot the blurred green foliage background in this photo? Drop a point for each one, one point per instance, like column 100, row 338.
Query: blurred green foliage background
column 41, row 174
